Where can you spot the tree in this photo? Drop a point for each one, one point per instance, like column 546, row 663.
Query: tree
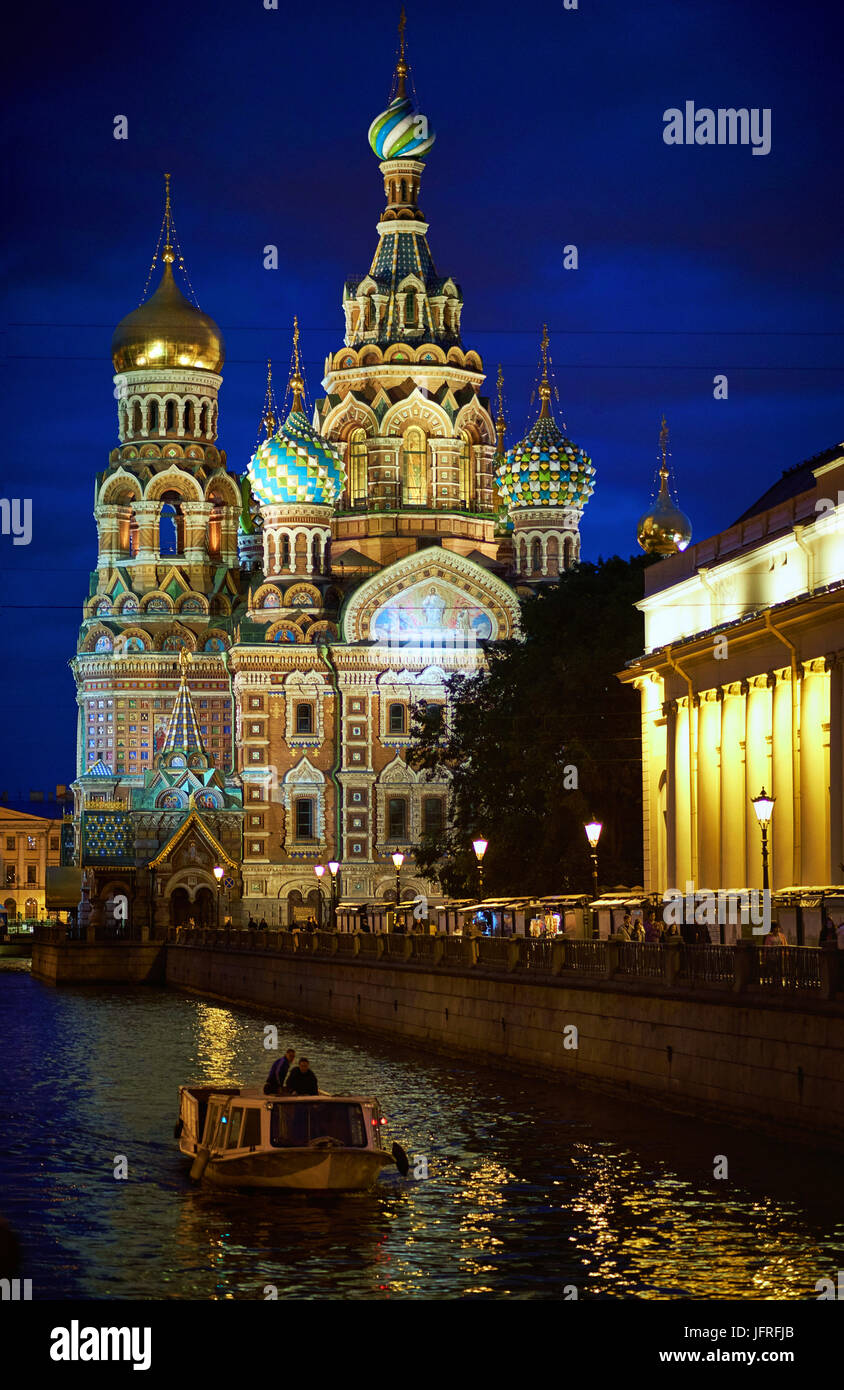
column 541, row 740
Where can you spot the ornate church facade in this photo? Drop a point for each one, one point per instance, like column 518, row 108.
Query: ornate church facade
column 254, row 645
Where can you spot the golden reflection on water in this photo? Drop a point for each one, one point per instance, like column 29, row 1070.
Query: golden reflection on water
column 216, row 1038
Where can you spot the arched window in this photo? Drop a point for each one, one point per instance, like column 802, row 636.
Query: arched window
column 136, row 418
column 153, row 417
column 133, row 535
column 466, row 469
column 203, row 419
column 171, row 524
column 285, row 551
column 536, row 557
column 215, row 528
column 410, row 308
column 169, row 417
column 568, row 548
column 414, row 467
column 316, row 557
column 357, row 468
column 189, row 417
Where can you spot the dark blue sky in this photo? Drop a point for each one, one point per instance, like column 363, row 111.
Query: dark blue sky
column 693, row 261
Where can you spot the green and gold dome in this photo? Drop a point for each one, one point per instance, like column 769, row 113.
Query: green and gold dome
column 401, row 132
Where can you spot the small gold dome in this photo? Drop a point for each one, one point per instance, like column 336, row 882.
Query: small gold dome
column 664, row 529
column 167, row 331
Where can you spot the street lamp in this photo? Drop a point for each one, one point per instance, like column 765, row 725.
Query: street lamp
column 333, row 869
column 218, row 874
column 480, row 848
column 593, row 834
column 319, row 870
column 763, row 805
column 398, row 860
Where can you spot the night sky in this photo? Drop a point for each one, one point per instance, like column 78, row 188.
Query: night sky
column 693, row 260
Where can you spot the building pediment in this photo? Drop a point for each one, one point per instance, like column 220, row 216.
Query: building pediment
column 432, row 597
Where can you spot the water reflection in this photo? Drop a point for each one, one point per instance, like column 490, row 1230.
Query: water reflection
column 531, row 1188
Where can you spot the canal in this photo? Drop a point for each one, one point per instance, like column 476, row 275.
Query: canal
column 532, row 1188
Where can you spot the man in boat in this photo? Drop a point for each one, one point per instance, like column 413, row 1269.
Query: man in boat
column 301, row 1080
column 278, row 1072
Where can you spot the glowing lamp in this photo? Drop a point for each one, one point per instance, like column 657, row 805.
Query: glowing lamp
column 319, row 870
column 480, row 847
column 593, row 832
column 398, row 858
column 218, row 872
column 333, row 867
column 763, row 805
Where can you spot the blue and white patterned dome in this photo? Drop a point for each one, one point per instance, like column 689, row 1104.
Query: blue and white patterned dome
column 296, row 466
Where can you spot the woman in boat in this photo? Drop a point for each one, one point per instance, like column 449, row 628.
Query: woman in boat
column 278, row 1072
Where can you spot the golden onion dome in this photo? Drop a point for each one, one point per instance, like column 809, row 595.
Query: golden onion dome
column 663, row 529
column 167, row 331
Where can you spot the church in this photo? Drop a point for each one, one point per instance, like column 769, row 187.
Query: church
column 259, row 635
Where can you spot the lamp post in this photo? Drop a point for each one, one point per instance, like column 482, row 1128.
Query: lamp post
column 219, row 871
column 319, row 870
column 398, row 860
column 763, row 805
column 480, row 848
column 593, row 834
column 333, row 869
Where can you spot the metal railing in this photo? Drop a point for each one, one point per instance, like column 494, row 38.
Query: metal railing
column 787, row 968
column 643, row 958
column 707, row 965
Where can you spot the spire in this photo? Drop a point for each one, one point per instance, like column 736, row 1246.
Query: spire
column 500, row 421
column 297, row 381
column 544, row 385
column 183, row 734
column 171, row 251
column 663, row 449
column 664, row 529
column 401, row 65
column 269, row 418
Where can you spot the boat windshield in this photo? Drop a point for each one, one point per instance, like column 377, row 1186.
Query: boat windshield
column 294, row 1126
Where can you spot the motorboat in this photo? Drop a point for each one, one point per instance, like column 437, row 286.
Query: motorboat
column 236, row 1136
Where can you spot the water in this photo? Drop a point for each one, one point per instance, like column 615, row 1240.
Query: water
column 532, row 1187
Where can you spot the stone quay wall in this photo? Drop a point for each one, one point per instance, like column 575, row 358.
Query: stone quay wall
column 746, row 1034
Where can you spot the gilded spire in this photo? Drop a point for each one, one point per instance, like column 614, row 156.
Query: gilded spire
column 297, row 381
column 167, row 255
column 664, row 529
column 663, row 449
column 545, row 385
column 500, row 422
column 269, row 403
column 401, row 65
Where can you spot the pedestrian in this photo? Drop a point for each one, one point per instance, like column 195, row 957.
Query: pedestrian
column 301, row 1081
column 775, row 936
column 622, row 932
column 828, row 936
column 278, row 1072
column 364, row 920
column 652, row 928
column 637, row 931
column 671, row 933
column 262, row 925
column 253, row 925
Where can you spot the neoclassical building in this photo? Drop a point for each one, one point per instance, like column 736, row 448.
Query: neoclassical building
column 255, row 645
column 742, row 687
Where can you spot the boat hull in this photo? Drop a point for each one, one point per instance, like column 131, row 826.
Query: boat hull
column 304, row 1170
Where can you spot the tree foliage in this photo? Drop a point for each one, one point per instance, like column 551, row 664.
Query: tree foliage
column 540, row 741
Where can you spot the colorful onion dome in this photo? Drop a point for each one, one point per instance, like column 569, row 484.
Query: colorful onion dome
column 545, row 469
column 663, row 529
column 295, row 465
column 401, row 132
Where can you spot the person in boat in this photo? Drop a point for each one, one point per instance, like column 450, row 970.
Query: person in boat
column 278, row 1073
column 301, row 1081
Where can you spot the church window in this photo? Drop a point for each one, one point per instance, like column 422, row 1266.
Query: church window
column 433, row 815
column 396, row 719
column 536, row 557
column 171, row 527
column 304, row 719
column 357, row 467
column 285, row 554
column 316, row 558
column 169, row 417
column 397, row 809
column 153, row 417
column 466, row 470
column 414, row 467
column 410, row 307
column 189, row 417
column 304, row 818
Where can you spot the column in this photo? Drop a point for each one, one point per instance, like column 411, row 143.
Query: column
column 836, row 767
column 733, row 807
column 670, row 711
column 814, row 774
column 758, row 769
column 709, row 789
column 782, row 782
